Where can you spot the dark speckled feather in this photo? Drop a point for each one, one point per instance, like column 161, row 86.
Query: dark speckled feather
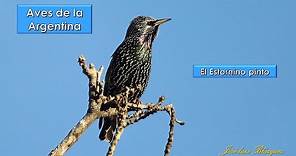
column 130, row 66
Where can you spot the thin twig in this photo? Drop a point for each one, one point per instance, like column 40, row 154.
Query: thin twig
column 168, row 147
column 121, row 125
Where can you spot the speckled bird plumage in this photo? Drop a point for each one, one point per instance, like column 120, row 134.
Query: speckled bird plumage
column 130, row 65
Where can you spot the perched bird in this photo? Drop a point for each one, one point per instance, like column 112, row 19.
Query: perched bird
column 130, row 66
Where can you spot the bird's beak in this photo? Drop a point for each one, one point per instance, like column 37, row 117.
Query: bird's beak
column 161, row 21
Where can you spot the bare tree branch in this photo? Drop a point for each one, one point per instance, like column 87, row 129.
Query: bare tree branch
column 97, row 99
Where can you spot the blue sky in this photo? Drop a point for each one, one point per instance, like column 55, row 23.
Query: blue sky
column 43, row 92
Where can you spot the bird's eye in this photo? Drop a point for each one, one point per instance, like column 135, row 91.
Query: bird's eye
column 151, row 23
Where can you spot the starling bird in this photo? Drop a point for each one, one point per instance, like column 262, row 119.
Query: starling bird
column 130, row 66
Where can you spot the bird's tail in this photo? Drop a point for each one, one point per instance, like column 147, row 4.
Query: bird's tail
column 109, row 127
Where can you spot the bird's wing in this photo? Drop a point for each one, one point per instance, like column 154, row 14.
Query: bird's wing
column 118, row 70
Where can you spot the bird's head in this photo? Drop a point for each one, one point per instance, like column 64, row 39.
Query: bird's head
column 144, row 26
